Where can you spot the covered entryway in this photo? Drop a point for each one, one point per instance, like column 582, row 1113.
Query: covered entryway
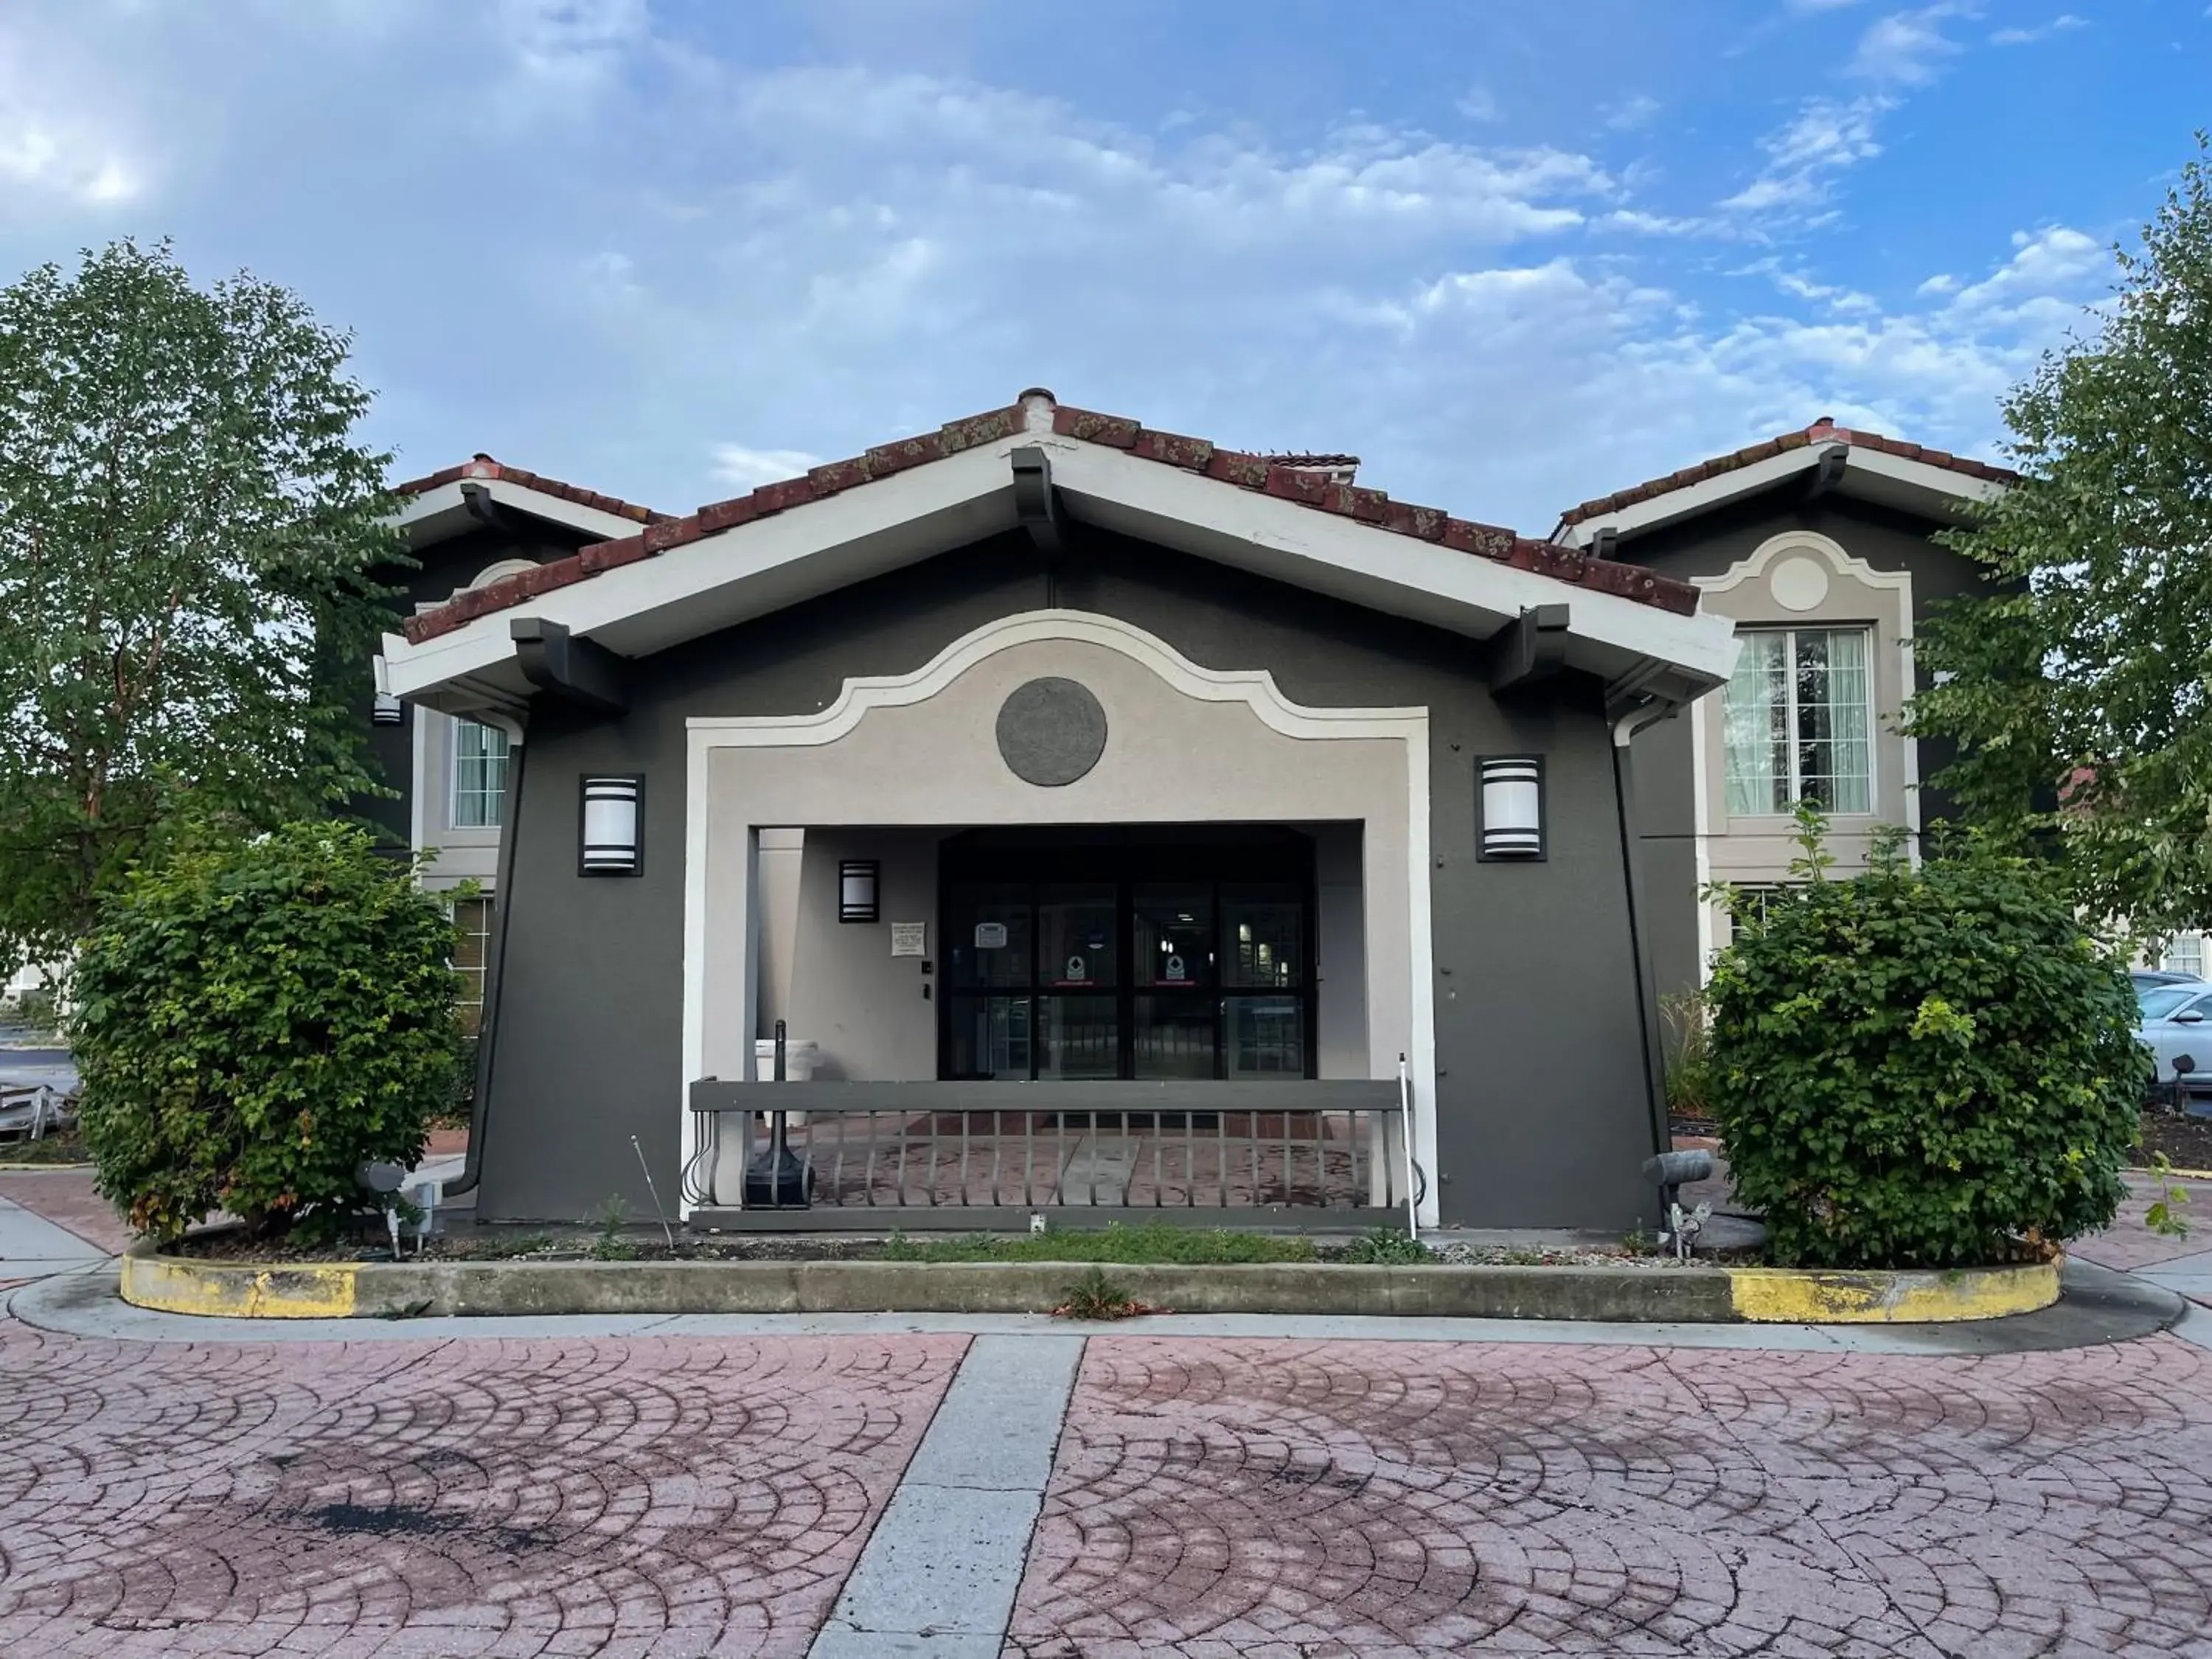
column 1193, row 975
column 1155, row 953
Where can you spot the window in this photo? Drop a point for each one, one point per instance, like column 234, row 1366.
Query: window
column 473, row 918
column 479, row 774
column 1800, row 719
column 2184, row 955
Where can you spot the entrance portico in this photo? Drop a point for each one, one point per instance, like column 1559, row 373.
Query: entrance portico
column 1156, row 918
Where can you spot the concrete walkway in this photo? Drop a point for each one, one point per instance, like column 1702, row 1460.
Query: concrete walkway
column 31, row 1246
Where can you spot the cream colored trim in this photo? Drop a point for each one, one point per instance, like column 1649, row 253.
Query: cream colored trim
column 1255, row 687
column 1940, row 481
column 1844, row 563
column 755, row 568
column 536, row 503
column 1708, row 752
column 499, row 570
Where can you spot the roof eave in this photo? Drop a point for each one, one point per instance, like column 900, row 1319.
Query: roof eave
column 719, row 580
column 1935, row 492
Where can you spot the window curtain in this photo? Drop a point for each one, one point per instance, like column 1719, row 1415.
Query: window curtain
column 1850, row 703
column 1757, row 715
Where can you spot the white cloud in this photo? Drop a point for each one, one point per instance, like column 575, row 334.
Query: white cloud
column 56, row 142
column 571, row 41
column 1631, row 113
column 1479, row 103
column 1826, row 137
column 749, row 469
column 679, row 245
column 1906, row 48
column 2065, row 22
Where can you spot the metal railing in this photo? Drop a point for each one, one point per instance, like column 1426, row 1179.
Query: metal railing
column 1323, row 1154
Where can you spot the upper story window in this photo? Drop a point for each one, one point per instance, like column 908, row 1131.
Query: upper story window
column 479, row 774
column 1800, row 719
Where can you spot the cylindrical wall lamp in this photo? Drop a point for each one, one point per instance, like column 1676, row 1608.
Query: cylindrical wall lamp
column 1512, row 806
column 858, row 882
column 389, row 710
column 612, row 836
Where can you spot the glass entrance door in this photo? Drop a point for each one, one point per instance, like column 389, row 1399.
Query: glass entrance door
column 1067, row 959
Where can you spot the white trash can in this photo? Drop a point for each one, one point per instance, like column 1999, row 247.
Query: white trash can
column 799, row 1059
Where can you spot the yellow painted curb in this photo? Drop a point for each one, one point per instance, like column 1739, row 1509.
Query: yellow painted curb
column 1795, row 1296
column 226, row 1289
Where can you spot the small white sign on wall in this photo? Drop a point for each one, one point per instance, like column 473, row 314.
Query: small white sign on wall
column 909, row 938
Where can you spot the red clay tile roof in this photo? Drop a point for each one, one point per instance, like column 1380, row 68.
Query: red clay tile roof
column 1257, row 473
column 483, row 466
column 1822, row 431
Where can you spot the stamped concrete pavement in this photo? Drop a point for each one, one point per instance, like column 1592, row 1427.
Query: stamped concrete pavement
column 853, row 1487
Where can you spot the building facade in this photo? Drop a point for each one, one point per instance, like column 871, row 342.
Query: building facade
column 1820, row 547
column 1046, row 775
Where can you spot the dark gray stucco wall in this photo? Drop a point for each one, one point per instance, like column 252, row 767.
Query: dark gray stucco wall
column 1707, row 546
column 1542, row 1115
column 441, row 570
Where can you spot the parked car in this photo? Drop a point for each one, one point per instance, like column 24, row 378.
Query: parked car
column 2149, row 978
column 2176, row 1020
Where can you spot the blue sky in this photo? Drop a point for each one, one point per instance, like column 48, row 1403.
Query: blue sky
column 1512, row 254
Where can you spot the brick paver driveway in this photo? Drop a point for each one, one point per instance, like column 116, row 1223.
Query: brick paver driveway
column 478, row 1497
column 1324, row 1501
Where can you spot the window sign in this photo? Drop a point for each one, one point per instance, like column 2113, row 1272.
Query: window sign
column 990, row 935
column 1175, row 970
column 1078, row 972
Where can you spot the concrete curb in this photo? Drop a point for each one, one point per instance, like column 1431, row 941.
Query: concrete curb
column 1794, row 1296
column 369, row 1290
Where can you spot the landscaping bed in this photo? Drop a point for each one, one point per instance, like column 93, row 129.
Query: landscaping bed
column 2186, row 1141
column 1150, row 1243
column 64, row 1146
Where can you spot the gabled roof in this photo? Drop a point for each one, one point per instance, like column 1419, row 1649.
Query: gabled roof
column 900, row 503
column 1303, row 479
column 1918, row 476
column 481, row 465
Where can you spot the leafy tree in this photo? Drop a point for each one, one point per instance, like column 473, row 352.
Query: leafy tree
column 256, row 1019
column 2080, row 686
column 187, row 529
column 1922, row 1068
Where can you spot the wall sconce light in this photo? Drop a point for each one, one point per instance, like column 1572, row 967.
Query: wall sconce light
column 1512, row 806
column 389, row 710
column 613, row 826
column 858, row 880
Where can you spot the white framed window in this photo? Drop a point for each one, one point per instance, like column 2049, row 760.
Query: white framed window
column 472, row 917
column 479, row 774
column 2184, row 954
column 1799, row 714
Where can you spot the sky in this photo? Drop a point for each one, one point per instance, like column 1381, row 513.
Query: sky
column 1512, row 254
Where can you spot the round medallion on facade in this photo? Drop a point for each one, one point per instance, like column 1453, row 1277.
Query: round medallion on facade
column 1798, row 584
column 1051, row 731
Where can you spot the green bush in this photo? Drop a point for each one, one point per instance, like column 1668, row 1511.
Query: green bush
column 255, row 1020
column 1929, row 1067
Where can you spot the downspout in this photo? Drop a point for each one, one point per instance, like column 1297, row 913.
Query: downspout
column 494, row 967
column 1647, row 1000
